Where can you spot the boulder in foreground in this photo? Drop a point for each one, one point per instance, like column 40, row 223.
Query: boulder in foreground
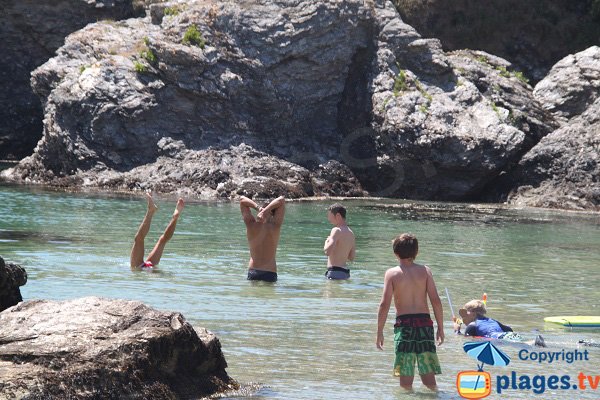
column 12, row 276
column 95, row 348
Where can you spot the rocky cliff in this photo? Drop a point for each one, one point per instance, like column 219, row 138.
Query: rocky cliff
column 533, row 34
column 337, row 97
column 301, row 98
column 31, row 32
column 94, row 348
column 563, row 169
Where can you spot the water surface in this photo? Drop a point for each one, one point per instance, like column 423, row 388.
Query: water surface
column 305, row 337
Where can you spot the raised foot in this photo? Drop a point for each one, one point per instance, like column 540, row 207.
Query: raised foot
column 152, row 207
column 178, row 208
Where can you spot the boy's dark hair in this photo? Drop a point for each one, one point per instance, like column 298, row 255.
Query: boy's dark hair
column 337, row 208
column 406, row 245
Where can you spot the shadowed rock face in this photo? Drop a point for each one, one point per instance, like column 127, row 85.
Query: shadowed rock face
column 447, row 137
column 563, row 169
column 93, row 348
column 532, row 34
column 31, row 32
column 12, row 277
column 280, row 97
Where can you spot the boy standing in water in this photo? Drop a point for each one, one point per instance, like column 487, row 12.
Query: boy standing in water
column 410, row 285
column 339, row 245
column 136, row 259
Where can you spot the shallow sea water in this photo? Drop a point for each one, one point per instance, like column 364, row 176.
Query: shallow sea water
column 305, row 337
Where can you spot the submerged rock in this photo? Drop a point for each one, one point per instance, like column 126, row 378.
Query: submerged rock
column 12, row 276
column 93, row 348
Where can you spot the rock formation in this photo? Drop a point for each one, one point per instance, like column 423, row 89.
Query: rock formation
column 533, row 34
column 12, row 276
column 563, row 170
column 31, row 32
column 93, row 348
column 222, row 98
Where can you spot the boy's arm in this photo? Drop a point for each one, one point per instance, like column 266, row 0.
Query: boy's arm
column 384, row 308
column 330, row 241
column 471, row 329
column 436, row 304
column 245, row 205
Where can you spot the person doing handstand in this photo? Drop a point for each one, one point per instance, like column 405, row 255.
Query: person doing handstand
column 137, row 252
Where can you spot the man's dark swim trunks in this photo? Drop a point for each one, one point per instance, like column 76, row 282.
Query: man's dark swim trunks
column 337, row 273
column 260, row 275
column 414, row 342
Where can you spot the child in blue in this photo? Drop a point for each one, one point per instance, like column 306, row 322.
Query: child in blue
column 473, row 316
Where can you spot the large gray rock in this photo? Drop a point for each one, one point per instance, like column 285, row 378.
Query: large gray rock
column 563, row 170
column 308, row 88
column 12, row 276
column 572, row 85
column 94, row 348
column 31, row 32
column 449, row 137
column 238, row 170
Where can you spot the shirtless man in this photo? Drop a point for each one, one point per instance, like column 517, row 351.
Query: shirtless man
column 263, row 236
column 410, row 285
column 339, row 245
column 136, row 259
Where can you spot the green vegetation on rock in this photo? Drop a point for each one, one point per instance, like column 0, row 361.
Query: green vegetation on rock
column 139, row 67
column 148, row 55
column 192, row 36
column 400, row 84
column 171, row 11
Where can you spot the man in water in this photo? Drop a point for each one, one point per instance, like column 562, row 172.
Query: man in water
column 263, row 236
column 136, row 259
column 339, row 245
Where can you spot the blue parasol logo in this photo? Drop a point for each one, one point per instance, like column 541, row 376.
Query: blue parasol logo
column 487, row 353
column 477, row 384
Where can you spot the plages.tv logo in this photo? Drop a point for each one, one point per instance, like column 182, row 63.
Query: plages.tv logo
column 478, row 384
column 474, row 384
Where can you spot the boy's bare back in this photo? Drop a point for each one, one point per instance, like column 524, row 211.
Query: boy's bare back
column 411, row 285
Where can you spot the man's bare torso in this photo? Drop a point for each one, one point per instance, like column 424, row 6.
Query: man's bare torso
column 262, row 240
column 340, row 252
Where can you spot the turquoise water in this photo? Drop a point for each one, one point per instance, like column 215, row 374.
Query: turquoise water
column 305, row 337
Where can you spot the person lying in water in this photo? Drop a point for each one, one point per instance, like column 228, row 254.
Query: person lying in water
column 137, row 251
column 477, row 324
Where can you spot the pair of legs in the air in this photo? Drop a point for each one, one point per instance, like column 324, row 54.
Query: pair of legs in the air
column 137, row 252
